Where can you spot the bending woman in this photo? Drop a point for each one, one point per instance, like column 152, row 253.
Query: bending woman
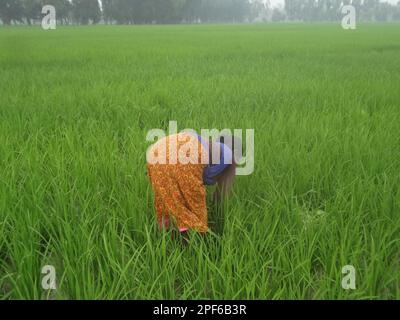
column 179, row 185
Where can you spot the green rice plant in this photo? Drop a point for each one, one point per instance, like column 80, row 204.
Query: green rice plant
column 76, row 104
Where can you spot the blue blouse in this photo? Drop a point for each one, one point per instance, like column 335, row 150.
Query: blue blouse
column 213, row 170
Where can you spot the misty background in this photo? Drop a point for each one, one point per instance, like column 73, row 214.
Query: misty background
column 84, row 12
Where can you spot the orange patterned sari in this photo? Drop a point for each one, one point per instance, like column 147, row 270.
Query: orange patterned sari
column 179, row 192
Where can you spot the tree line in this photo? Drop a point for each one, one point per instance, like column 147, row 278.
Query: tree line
column 330, row 10
column 191, row 11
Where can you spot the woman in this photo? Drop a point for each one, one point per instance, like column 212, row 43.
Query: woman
column 179, row 186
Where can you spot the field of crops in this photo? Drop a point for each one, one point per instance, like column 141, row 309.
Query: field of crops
column 76, row 104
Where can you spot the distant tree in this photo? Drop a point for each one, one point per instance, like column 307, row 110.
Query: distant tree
column 64, row 10
column 383, row 12
column 333, row 9
column 259, row 10
column 129, row 11
column 168, row 11
column 120, row 11
column 293, row 9
column 396, row 15
column 86, row 11
column 368, row 10
column 144, row 11
column 278, row 15
column 191, row 10
column 308, row 10
column 110, row 8
column 31, row 10
column 224, row 10
column 11, row 10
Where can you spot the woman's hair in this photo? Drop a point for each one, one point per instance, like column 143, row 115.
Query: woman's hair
column 225, row 181
column 226, row 178
column 234, row 143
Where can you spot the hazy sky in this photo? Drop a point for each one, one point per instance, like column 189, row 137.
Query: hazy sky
column 280, row 2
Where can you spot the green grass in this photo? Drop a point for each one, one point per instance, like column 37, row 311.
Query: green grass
column 76, row 104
